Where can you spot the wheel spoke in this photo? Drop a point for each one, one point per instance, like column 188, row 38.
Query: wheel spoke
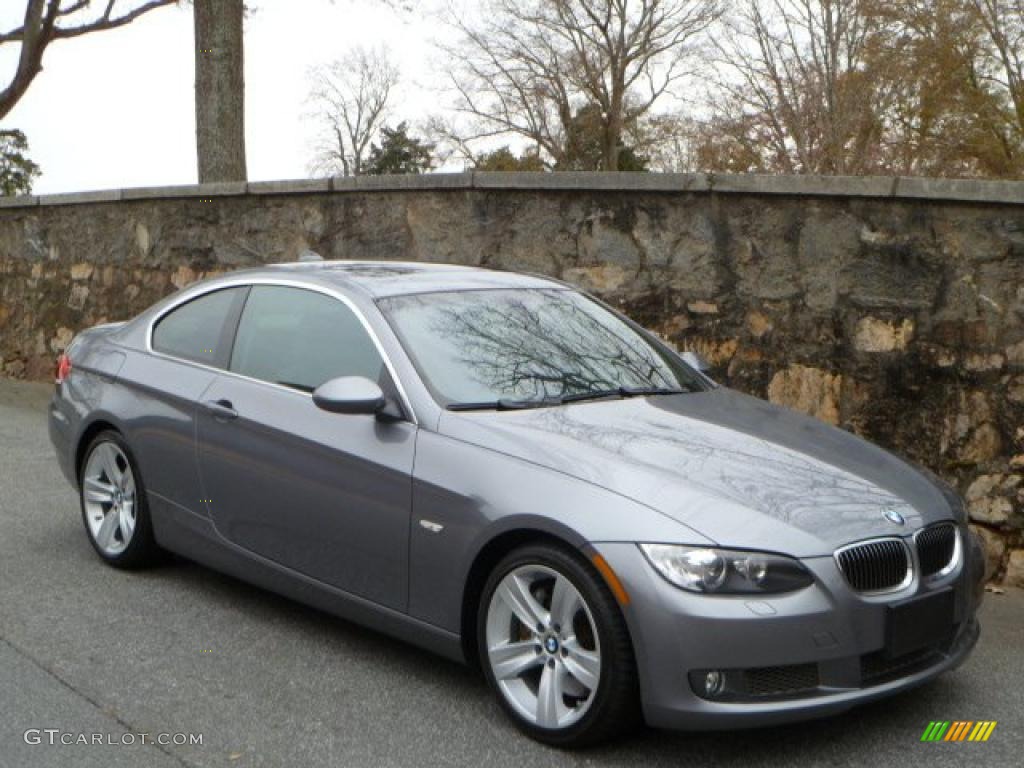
column 549, row 696
column 516, row 594
column 98, row 492
column 583, row 665
column 108, row 458
column 128, row 484
column 105, row 534
column 510, row 660
column 565, row 602
column 126, row 523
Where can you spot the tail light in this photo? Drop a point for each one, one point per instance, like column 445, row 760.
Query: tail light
column 63, row 368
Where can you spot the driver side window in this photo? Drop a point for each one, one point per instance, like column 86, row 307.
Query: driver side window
column 300, row 338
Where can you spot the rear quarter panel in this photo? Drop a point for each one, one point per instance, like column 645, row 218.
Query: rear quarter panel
column 80, row 400
column 149, row 399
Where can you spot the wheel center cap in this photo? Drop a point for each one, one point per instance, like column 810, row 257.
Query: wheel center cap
column 551, row 644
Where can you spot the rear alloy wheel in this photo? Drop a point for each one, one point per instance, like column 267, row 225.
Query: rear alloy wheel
column 555, row 648
column 114, row 505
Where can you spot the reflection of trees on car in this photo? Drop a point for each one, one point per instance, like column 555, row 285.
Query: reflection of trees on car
column 546, row 344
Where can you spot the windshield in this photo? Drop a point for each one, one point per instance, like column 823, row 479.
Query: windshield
column 516, row 348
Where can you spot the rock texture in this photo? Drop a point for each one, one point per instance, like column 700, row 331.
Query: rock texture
column 893, row 308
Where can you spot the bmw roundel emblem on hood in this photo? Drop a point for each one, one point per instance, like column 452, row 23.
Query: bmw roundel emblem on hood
column 893, row 516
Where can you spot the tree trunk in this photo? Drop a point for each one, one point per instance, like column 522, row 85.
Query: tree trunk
column 611, row 151
column 613, row 135
column 220, row 90
column 615, row 111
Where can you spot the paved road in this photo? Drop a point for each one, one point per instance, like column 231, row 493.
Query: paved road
column 85, row 648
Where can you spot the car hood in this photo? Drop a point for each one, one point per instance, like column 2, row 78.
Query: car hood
column 737, row 470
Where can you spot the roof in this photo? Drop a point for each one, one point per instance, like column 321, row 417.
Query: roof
column 394, row 278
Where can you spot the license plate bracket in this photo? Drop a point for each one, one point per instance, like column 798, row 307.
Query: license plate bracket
column 918, row 622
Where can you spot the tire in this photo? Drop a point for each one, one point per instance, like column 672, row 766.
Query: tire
column 113, row 503
column 545, row 675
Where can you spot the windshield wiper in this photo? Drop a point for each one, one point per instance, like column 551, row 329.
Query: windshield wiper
column 508, row 404
column 597, row 394
column 504, row 404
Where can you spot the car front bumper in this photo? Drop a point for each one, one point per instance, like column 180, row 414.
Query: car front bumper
column 807, row 654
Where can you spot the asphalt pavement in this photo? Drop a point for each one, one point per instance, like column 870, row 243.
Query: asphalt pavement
column 181, row 650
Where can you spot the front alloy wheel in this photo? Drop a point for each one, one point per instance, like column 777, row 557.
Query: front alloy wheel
column 555, row 648
column 542, row 646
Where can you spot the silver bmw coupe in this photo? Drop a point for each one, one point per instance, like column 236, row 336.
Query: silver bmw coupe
column 507, row 472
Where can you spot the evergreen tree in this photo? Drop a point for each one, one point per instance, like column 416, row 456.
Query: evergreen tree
column 399, row 152
column 17, row 172
column 502, row 159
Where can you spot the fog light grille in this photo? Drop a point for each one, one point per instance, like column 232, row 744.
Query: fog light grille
column 774, row 681
column 879, row 565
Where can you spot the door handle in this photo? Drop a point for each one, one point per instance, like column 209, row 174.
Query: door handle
column 222, row 410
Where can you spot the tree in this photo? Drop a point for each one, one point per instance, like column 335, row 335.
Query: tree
column 526, row 67
column 794, row 95
column 860, row 87
column 1003, row 21
column 585, row 144
column 17, row 172
column 220, row 90
column 48, row 20
column 674, row 143
column 351, row 97
column 502, row 159
column 944, row 115
column 399, row 152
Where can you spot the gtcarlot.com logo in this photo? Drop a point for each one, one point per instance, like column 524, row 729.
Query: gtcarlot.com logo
column 958, row 730
column 55, row 737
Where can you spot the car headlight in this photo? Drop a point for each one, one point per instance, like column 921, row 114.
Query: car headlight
column 725, row 571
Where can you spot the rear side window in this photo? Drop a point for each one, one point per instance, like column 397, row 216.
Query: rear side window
column 300, row 339
column 200, row 330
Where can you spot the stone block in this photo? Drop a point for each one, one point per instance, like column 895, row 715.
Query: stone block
column 75, row 198
column 875, row 335
column 1015, row 569
column 809, row 390
column 995, row 549
column 772, row 184
column 18, row 201
column 289, row 187
column 989, row 498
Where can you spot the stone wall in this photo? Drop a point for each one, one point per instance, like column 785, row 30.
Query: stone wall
column 891, row 307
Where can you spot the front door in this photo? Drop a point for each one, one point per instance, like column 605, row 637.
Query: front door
column 327, row 495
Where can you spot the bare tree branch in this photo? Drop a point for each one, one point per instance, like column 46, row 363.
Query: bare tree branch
column 869, row 86
column 790, row 75
column 527, row 67
column 49, row 20
column 352, row 99
column 1003, row 20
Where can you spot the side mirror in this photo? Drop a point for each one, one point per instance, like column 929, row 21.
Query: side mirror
column 349, row 394
column 696, row 362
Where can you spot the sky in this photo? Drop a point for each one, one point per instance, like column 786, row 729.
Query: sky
column 116, row 108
